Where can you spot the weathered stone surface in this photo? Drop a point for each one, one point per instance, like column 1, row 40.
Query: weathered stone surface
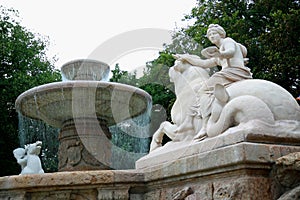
column 108, row 185
column 231, row 187
column 293, row 194
column 242, row 188
column 69, row 179
column 239, row 171
column 240, row 148
column 287, row 170
column 115, row 194
column 15, row 195
column 286, row 175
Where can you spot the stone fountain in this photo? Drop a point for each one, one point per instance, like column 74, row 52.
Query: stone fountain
column 83, row 106
column 248, row 148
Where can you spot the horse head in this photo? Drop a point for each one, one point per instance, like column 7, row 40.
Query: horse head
column 34, row 148
column 186, row 76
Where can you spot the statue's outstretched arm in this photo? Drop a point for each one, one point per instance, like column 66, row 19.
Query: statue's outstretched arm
column 196, row 60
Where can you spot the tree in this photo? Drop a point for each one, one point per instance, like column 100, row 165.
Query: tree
column 23, row 65
column 121, row 76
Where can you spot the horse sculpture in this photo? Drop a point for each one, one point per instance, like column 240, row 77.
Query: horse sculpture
column 242, row 106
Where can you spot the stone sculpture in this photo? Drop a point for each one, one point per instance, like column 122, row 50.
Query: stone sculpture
column 28, row 158
column 229, row 101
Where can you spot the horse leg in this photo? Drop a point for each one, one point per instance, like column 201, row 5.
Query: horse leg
column 164, row 128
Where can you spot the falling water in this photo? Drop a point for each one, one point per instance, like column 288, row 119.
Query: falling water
column 31, row 131
column 131, row 141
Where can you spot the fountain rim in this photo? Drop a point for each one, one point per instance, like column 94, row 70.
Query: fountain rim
column 80, row 83
column 77, row 84
column 84, row 60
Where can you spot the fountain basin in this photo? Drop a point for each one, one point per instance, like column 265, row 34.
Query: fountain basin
column 85, row 69
column 55, row 103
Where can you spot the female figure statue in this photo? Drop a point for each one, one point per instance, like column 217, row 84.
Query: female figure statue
column 228, row 54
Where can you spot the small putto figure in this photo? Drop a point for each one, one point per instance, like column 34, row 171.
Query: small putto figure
column 28, row 158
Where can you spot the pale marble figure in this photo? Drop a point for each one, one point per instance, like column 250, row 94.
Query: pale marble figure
column 228, row 54
column 229, row 101
column 186, row 79
column 20, row 155
column 28, row 158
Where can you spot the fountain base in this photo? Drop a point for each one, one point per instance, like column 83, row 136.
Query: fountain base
column 84, row 144
column 237, row 166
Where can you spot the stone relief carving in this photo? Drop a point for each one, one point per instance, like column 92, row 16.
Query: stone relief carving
column 182, row 194
column 229, row 101
column 70, row 153
column 28, row 158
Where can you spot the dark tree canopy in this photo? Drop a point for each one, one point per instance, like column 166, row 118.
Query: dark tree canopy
column 23, row 65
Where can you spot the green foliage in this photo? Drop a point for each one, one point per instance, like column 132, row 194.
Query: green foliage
column 121, row 76
column 23, row 65
column 181, row 44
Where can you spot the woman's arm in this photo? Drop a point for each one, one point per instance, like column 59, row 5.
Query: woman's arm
column 196, row 60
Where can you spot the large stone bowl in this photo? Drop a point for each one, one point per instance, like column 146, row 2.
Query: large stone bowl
column 55, row 103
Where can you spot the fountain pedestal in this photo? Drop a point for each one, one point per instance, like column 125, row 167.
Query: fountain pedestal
column 84, row 144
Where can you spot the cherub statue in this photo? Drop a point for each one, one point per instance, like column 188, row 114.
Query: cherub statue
column 28, row 158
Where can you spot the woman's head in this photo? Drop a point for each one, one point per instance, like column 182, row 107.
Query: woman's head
column 217, row 28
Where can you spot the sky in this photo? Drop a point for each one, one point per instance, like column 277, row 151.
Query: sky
column 113, row 31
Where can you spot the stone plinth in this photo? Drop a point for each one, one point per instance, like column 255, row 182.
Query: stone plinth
column 239, row 171
column 233, row 166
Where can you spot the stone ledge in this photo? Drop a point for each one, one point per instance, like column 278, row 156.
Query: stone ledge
column 194, row 163
column 173, row 151
column 70, row 179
